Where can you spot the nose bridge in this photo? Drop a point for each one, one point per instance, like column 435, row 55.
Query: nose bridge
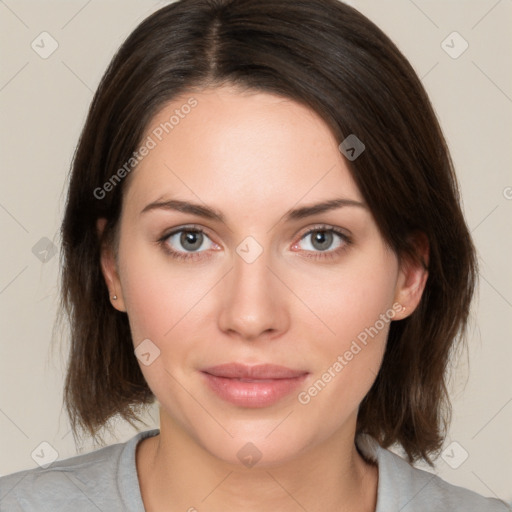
column 251, row 278
column 253, row 303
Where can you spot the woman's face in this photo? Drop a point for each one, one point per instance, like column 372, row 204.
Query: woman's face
column 267, row 280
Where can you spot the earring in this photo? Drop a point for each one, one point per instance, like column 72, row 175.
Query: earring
column 114, row 297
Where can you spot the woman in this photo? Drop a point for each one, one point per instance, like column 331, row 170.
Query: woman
column 309, row 324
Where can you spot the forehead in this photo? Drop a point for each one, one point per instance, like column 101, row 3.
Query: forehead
column 255, row 147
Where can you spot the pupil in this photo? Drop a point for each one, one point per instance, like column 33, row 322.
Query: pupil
column 324, row 240
column 193, row 238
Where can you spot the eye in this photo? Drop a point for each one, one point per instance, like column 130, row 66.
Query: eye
column 187, row 243
column 192, row 243
column 323, row 242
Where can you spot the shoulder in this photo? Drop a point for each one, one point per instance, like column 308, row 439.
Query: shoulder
column 404, row 487
column 85, row 482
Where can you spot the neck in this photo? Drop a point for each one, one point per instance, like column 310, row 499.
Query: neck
column 177, row 474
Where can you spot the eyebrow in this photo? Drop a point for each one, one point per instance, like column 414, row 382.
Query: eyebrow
column 213, row 214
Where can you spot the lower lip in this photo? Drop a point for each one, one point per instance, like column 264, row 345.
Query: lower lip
column 261, row 393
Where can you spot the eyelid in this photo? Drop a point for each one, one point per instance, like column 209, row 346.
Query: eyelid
column 326, row 227
column 317, row 227
column 186, row 227
column 344, row 234
column 184, row 255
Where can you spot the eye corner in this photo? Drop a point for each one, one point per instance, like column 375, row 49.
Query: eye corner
column 344, row 244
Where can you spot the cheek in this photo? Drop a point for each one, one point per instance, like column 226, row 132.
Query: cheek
column 356, row 304
column 159, row 294
column 164, row 305
column 353, row 296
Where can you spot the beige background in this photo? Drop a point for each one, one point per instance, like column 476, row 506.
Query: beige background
column 43, row 103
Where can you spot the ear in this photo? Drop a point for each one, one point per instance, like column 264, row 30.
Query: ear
column 109, row 269
column 412, row 278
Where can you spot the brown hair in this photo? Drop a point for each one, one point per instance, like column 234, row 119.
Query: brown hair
column 329, row 57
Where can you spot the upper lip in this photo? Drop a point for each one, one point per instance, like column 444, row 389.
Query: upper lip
column 259, row 371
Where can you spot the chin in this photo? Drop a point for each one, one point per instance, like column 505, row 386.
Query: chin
column 257, row 444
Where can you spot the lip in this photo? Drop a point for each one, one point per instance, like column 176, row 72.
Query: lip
column 252, row 385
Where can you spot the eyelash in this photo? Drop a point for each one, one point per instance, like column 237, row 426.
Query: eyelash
column 318, row 255
column 183, row 256
column 328, row 255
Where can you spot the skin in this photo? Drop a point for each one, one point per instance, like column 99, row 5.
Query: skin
column 253, row 156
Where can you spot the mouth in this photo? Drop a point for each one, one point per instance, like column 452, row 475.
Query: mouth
column 253, row 386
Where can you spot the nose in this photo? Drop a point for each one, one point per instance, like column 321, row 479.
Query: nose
column 254, row 301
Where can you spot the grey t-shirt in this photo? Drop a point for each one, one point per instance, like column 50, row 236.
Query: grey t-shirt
column 106, row 480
